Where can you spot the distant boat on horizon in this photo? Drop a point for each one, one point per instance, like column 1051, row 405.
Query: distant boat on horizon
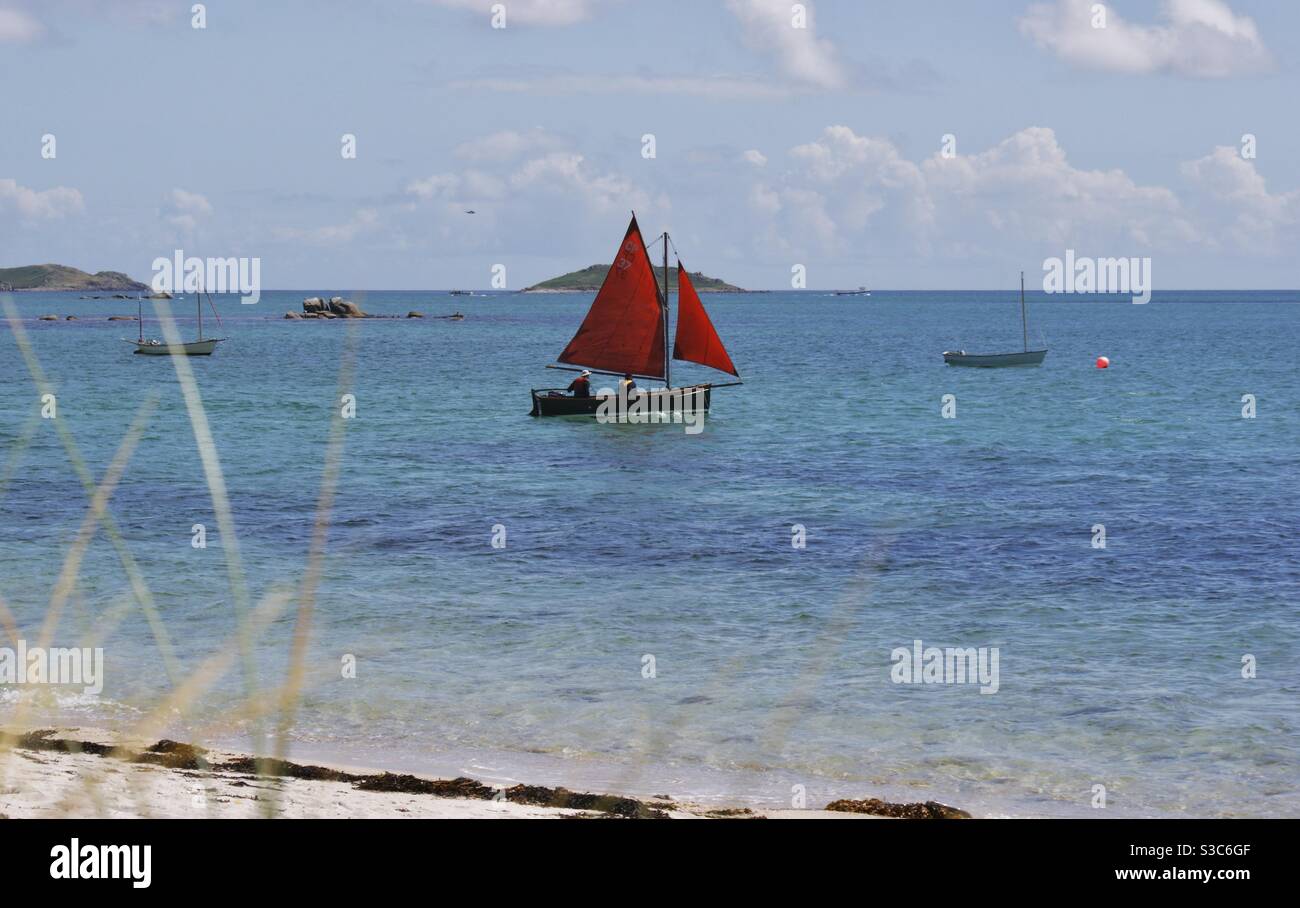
column 861, row 291
column 1026, row 357
column 202, row 346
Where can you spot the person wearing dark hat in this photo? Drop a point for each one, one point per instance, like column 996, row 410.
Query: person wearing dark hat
column 581, row 386
column 628, row 384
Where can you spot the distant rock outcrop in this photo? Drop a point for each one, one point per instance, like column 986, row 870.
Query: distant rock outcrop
column 334, row 307
column 338, row 307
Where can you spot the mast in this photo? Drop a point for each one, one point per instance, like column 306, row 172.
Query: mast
column 667, row 357
column 199, row 297
column 1024, row 320
column 139, row 317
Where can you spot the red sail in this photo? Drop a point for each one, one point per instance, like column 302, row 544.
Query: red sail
column 624, row 329
column 696, row 340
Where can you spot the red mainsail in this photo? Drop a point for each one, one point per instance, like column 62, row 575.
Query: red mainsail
column 624, row 329
column 696, row 340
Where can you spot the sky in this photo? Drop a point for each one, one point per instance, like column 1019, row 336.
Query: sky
column 908, row 144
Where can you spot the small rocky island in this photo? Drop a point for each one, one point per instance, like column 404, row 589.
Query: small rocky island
column 338, row 307
column 334, row 307
column 53, row 277
column 589, row 279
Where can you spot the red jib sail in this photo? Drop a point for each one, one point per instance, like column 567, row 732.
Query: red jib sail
column 624, row 329
column 696, row 340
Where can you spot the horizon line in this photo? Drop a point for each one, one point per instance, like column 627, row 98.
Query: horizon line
column 498, row 290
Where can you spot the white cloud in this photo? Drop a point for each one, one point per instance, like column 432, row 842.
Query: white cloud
column 1234, row 193
column 185, row 209
column 17, row 27
column 840, row 198
column 507, row 145
column 568, row 174
column 458, row 189
column 555, row 173
column 49, row 204
column 716, row 87
column 1203, row 38
column 768, row 25
column 189, row 202
column 364, row 220
column 764, row 200
column 533, row 12
column 519, row 203
column 436, row 186
column 1025, row 186
column 848, row 178
column 846, row 192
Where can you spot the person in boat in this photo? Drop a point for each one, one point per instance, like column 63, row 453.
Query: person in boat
column 628, row 384
column 581, row 386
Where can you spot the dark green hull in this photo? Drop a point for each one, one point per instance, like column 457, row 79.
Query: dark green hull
column 555, row 402
column 994, row 360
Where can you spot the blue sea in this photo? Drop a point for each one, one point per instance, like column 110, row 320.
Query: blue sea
column 646, row 623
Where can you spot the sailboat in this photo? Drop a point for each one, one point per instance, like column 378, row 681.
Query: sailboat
column 626, row 331
column 203, row 346
column 1025, row 357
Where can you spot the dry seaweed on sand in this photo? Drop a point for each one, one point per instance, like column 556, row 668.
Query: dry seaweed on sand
column 175, row 755
column 541, row 796
column 730, row 813
column 285, row 769
column 455, row 788
column 535, row 795
column 40, row 740
column 929, row 810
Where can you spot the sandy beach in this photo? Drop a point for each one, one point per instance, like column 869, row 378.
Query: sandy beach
column 86, row 773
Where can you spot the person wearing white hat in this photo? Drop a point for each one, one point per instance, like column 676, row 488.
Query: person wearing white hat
column 581, row 386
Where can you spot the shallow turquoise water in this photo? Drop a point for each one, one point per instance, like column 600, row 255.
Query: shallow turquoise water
column 1119, row 667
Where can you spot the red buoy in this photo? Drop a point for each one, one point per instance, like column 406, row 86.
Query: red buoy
column 1103, row 362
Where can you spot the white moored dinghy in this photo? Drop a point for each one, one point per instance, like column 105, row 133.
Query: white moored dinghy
column 202, row 346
